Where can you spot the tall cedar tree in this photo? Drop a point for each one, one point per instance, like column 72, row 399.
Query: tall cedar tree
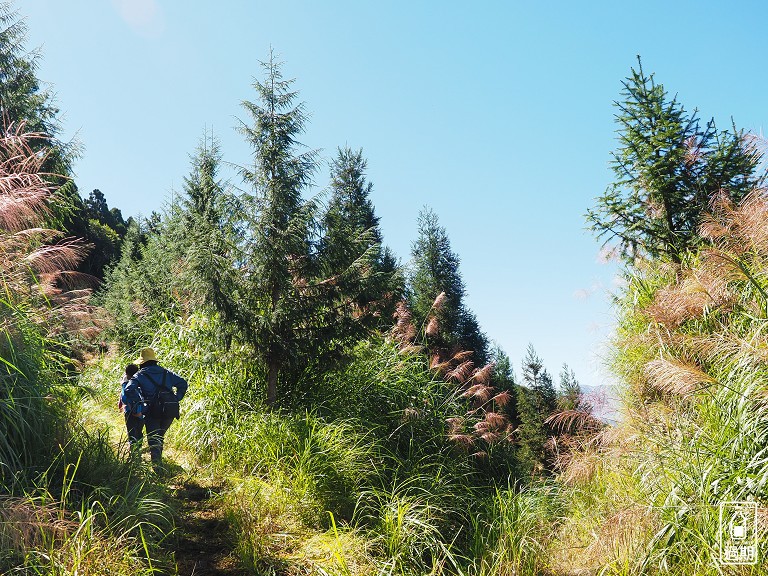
column 668, row 169
column 536, row 401
column 207, row 230
column 119, row 293
column 141, row 289
column 185, row 257
column 435, row 270
column 283, row 301
column 280, row 252
column 351, row 246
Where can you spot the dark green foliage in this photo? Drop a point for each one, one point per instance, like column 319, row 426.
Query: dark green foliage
column 569, row 396
column 668, row 169
column 99, row 210
column 503, row 380
column 277, row 317
column 23, row 101
column 206, row 232
column 296, row 298
column 536, row 401
column 351, row 245
column 100, row 227
column 139, row 291
column 168, row 264
column 435, row 270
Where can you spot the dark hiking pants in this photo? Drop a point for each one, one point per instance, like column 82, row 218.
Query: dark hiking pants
column 135, row 428
column 156, row 429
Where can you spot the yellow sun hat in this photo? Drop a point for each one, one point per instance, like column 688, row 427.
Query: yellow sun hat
column 145, row 355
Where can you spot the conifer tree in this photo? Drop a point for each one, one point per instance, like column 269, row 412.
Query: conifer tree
column 351, row 246
column 205, row 231
column 574, row 412
column 435, row 270
column 284, row 302
column 668, row 168
column 123, row 293
column 279, row 256
column 503, row 380
column 569, row 395
column 24, row 101
column 536, row 401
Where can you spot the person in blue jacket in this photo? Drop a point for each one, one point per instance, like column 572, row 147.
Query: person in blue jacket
column 134, row 418
column 144, row 386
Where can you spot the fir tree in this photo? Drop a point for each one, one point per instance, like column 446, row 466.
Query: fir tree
column 435, row 271
column 503, row 380
column 536, row 401
column 206, row 230
column 351, row 246
column 286, row 302
column 23, row 101
column 128, row 290
column 280, row 254
column 569, row 395
column 574, row 412
column 668, row 168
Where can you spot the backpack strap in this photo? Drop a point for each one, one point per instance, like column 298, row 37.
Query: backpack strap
column 162, row 383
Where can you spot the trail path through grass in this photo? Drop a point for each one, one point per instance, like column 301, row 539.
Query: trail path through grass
column 202, row 543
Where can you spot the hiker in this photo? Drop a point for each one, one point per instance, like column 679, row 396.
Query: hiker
column 162, row 390
column 134, row 418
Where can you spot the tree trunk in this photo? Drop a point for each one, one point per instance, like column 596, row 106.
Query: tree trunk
column 272, row 381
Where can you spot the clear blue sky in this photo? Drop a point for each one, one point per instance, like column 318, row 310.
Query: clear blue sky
column 498, row 115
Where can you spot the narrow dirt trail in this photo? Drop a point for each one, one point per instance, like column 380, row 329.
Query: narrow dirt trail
column 202, row 544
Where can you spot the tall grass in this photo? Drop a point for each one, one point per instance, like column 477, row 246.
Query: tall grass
column 514, row 532
column 691, row 351
column 371, row 466
column 68, row 504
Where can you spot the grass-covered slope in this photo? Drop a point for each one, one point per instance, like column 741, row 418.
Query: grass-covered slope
column 69, row 504
column 691, row 350
column 367, row 482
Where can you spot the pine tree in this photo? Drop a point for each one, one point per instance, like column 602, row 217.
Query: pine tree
column 503, row 380
column 668, row 168
column 569, row 396
column 206, row 230
column 536, row 401
column 279, row 256
column 351, row 246
column 435, row 271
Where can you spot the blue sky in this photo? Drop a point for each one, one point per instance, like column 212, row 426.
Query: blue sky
column 498, row 115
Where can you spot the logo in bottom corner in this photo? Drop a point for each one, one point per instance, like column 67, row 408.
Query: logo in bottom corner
column 738, row 533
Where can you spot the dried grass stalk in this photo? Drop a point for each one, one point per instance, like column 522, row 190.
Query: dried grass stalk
column 502, row 398
column 574, row 420
column 433, row 327
column 461, row 372
column 484, row 374
column 677, row 377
